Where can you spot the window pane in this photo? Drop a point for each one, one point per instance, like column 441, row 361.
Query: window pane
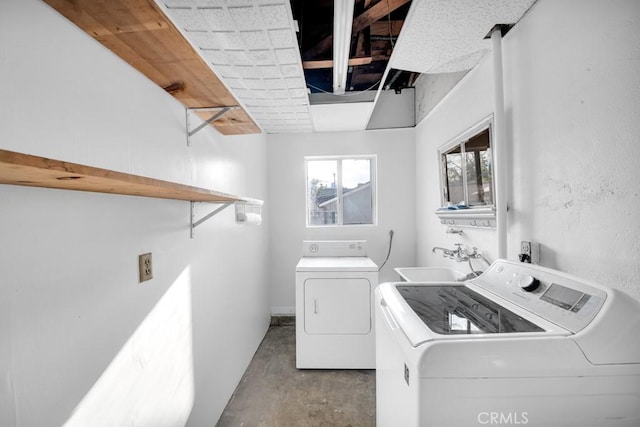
column 322, row 178
column 453, row 176
column 357, row 195
column 478, row 166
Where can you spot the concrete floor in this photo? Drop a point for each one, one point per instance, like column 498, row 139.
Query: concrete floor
column 273, row 392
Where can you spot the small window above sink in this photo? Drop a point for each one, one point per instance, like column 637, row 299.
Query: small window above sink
column 466, row 178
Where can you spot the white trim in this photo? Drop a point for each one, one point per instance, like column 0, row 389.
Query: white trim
column 486, row 123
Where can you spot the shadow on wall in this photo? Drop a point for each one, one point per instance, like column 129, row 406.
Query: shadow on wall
column 150, row 382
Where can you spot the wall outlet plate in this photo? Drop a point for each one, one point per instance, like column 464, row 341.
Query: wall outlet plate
column 529, row 252
column 145, row 267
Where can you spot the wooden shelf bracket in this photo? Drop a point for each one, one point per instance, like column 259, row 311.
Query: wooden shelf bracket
column 218, row 112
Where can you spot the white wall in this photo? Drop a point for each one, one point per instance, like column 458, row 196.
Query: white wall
column 81, row 341
column 396, row 207
column 572, row 94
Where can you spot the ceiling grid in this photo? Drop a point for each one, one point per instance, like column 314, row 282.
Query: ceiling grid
column 252, row 46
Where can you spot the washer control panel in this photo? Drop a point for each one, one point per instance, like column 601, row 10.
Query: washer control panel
column 552, row 295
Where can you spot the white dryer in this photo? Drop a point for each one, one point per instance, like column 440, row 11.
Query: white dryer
column 335, row 282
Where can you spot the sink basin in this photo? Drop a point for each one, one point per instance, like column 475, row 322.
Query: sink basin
column 429, row 274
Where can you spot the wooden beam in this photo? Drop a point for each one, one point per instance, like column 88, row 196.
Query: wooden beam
column 328, row 63
column 373, row 14
column 364, row 20
column 384, row 28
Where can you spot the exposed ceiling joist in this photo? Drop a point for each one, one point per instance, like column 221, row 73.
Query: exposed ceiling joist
column 328, row 63
column 375, row 13
column 362, row 21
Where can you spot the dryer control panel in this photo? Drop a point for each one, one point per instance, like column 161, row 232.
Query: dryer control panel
column 554, row 296
column 334, row 248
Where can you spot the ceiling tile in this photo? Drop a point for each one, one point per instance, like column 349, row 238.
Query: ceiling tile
column 275, row 16
column 251, row 45
column 276, row 83
column 217, row 18
column 294, row 82
column 258, row 84
column 246, row 18
column 260, row 94
column 287, row 56
column 278, row 93
column 222, row 40
column 290, row 70
column 227, row 71
column 189, row 19
column 281, row 38
column 239, row 57
column 260, row 103
column 216, row 57
column 262, row 57
column 247, row 71
column 298, row 93
column 268, row 71
column 256, row 39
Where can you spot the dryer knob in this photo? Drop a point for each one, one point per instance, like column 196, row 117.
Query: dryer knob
column 528, row 283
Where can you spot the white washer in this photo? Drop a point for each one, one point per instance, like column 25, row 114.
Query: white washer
column 519, row 345
column 335, row 282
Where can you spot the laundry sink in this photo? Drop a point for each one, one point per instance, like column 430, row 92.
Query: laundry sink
column 429, row 274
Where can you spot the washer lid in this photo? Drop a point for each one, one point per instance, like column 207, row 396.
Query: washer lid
column 336, row 264
column 451, row 323
column 458, row 310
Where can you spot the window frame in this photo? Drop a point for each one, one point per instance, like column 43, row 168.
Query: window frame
column 373, row 166
column 478, row 216
column 459, row 142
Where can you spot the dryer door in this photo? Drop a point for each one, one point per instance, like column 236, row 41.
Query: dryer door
column 337, row 306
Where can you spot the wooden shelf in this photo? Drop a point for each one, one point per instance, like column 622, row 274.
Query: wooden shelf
column 34, row 171
column 141, row 34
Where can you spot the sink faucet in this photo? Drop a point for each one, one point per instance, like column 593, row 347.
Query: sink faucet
column 445, row 252
column 460, row 253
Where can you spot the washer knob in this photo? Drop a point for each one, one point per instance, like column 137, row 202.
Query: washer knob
column 527, row 283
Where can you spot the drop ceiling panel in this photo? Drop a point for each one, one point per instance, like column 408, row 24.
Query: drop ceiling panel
column 252, row 47
column 448, row 36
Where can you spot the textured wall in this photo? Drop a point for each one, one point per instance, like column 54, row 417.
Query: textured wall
column 572, row 94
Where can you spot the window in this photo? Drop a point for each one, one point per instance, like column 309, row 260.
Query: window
column 341, row 190
column 467, row 175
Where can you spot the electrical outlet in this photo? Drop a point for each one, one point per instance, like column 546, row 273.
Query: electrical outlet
column 525, row 252
column 146, row 267
column 529, row 252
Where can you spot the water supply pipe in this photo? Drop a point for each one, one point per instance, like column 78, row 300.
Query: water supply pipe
column 500, row 145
